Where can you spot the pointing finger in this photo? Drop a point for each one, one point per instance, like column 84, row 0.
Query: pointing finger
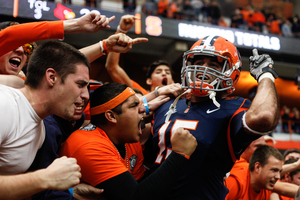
column 111, row 18
column 139, row 40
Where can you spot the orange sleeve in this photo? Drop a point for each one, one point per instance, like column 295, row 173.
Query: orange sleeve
column 234, row 188
column 15, row 36
column 136, row 85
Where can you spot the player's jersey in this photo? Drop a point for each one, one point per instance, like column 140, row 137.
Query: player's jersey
column 214, row 155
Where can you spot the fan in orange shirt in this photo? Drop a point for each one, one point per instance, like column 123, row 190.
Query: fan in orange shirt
column 259, row 178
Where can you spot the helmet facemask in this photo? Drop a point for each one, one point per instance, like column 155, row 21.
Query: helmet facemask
column 194, row 76
column 197, row 78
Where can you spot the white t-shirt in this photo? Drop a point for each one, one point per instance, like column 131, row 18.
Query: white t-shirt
column 22, row 132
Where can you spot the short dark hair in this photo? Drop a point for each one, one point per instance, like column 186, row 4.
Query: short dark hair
column 292, row 150
column 155, row 64
column 60, row 56
column 262, row 154
column 102, row 95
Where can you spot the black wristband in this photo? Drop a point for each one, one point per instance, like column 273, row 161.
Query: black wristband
column 269, row 69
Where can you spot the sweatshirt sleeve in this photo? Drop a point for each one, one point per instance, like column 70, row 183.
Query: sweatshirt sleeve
column 15, row 36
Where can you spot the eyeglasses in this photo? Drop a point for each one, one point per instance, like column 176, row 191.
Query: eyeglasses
column 28, row 48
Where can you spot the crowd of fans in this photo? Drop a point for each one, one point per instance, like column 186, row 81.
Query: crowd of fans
column 246, row 18
column 209, row 11
column 191, row 10
column 108, row 151
column 255, row 19
column 290, row 120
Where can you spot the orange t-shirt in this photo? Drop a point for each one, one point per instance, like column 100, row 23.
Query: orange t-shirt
column 258, row 17
column 246, row 15
column 99, row 159
column 239, row 185
column 275, row 27
column 31, row 32
column 162, row 6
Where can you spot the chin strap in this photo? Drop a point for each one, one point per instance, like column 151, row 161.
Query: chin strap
column 172, row 108
column 212, row 96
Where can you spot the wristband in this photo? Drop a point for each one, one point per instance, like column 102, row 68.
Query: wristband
column 184, row 155
column 103, row 47
column 249, row 129
column 266, row 75
column 71, row 191
column 145, row 103
column 156, row 91
column 120, row 30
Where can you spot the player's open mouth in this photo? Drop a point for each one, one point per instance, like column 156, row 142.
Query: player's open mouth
column 199, row 77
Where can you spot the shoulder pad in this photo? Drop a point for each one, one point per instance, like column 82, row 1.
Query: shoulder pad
column 89, row 127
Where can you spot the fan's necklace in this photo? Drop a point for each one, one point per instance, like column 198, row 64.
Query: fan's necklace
column 120, row 157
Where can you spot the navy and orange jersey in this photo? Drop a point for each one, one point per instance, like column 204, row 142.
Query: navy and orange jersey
column 221, row 139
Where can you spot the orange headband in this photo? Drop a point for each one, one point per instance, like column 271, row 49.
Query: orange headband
column 113, row 102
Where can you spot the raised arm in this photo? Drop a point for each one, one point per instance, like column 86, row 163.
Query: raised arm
column 36, row 31
column 89, row 23
column 263, row 114
column 115, row 71
column 120, row 43
column 290, row 167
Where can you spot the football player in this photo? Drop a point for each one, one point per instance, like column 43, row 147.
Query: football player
column 223, row 126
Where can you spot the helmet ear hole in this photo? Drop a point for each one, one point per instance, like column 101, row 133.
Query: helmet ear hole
column 236, row 77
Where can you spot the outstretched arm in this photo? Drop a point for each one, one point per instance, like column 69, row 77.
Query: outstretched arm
column 290, row 167
column 286, row 189
column 115, row 71
column 62, row 174
column 120, row 43
column 89, row 23
column 36, row 31
column 263, row 114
